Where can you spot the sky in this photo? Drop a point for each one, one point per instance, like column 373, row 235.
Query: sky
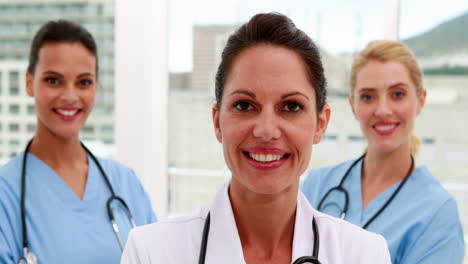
column 336, row 25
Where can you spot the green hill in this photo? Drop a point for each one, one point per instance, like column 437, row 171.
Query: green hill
column 450, row 37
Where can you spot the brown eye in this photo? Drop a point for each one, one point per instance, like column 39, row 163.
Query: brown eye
column 293, row 107
column 86, row 82
column 243, row 106
column 52, row 80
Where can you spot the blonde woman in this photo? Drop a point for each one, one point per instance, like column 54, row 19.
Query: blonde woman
column 384, row 191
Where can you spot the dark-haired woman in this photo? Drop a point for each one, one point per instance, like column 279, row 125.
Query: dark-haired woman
column 56, row 198
column 270, row 109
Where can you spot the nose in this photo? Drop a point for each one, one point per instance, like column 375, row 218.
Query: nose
column 70, row 94
column 267, row 126
column 383, row 108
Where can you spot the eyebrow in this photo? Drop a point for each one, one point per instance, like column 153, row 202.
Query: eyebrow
column 294, row 93
column 62, row 76
column 398, row 84
column 369, row 89
column 244, row 92
column 282, row 97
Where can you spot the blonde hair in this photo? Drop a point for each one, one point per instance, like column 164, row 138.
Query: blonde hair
column 390, row 50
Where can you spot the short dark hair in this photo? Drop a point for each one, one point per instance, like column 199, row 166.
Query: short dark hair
column 60, row 31
column 274, row 29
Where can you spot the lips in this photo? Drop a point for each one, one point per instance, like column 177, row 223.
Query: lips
column 67, row 114
column 266, row 158
column 385, row 128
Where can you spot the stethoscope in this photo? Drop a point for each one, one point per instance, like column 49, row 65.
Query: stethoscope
column 28, row 256
column 341, row 189
column 305, row 259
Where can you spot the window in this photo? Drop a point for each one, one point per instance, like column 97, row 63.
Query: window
column 31, row 128
column 107, row 129
column 194, row 53
column 13, row 142
column 14, row 83
column 444, row 147
column 14, row 127
column 88, row 129
column 19, row 21
column 13, row 109
column 31, row 109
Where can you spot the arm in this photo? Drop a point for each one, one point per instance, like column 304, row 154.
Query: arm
column 442, row 240
column 8, row 250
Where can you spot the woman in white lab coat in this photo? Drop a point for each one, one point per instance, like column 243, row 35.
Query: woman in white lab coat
column 270, row 109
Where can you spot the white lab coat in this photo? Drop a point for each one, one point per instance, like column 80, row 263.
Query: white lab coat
column 178, row 240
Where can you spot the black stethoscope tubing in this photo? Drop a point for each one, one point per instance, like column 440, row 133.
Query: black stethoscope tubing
column 305, row 259
column 340, row 188
column 108, row 203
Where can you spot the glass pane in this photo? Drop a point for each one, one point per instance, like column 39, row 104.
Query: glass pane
column 19, row 22
column 438, row 38
column 198, row 32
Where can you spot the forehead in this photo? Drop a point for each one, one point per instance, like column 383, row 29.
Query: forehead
column 64, row 56
column 267, row 68
column 375, row 74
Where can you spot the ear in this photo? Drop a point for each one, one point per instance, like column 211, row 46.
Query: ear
column 215, row 115
column 29, row 86
column 421, row 100
column 322, row 123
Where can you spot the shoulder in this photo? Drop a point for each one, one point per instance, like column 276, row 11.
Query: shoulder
column 317, row 179
column 10, row 175
column 318, row 173
column 119, row 174
column 371, row 246
column 434, row 197
column 12, row 168
column 344, row 229
column 166, row 239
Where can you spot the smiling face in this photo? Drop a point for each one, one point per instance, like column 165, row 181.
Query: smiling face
column 64, row 88
column 385, row 102
column 267, row 121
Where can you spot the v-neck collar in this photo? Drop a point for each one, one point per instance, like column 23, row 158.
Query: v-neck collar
column 376, row 203
column 224, row 236
column 40, row 173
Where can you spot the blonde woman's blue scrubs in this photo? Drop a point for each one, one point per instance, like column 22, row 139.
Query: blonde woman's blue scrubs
column 61, row 227
column 421, row 224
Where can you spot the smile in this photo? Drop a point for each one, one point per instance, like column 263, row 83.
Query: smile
column 265, row 157
column 67, row 112
column 385, row 128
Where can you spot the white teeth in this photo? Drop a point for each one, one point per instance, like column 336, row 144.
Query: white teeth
column 67, row 112
column 265, row 157
column 384, row 128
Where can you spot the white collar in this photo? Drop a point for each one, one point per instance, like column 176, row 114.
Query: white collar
column 223, row 239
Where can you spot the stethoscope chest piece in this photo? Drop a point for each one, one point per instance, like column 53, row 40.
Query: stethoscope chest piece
column 30, row 258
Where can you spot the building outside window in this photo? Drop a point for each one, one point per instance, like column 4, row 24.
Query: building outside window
column 14, row 83
column 14, row 109
column 13, row 127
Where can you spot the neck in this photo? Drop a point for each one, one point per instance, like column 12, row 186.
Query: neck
column 56, row 151
column 65, row 156
column 265, row 223
column 382, row 170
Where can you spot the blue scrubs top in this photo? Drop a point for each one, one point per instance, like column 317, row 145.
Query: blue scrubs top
column 421, row 224
column 61, row 227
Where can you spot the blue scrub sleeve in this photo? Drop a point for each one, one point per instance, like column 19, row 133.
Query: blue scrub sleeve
column 150, row 216
column 8, row 251
column 441, row 242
